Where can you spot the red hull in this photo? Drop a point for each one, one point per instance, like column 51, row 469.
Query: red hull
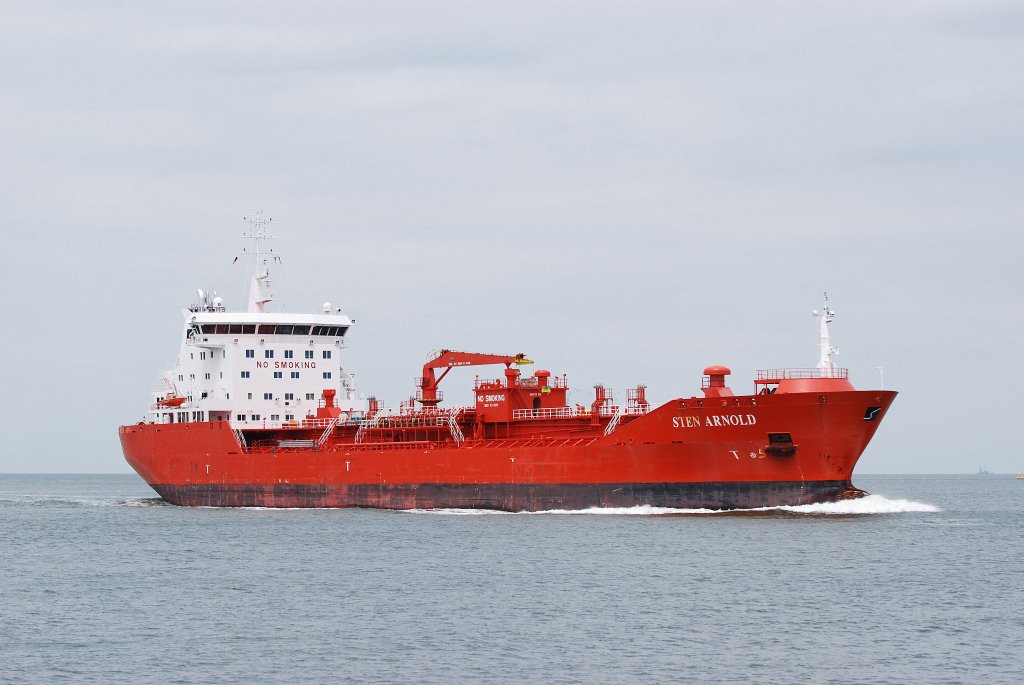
column 714, row 452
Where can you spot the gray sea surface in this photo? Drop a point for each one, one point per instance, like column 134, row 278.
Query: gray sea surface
column 102, row 582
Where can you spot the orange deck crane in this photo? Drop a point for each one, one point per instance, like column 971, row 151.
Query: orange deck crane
column 428, row 394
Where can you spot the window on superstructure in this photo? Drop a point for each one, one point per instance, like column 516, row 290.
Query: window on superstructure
column 249, row 354
column 222, row 374
column 309, row 354
column 181, row 377
column 268, row 354
column 275, row 417
column 227, row 396
column 327, row 374
column 327, row 354
column 289, row 396
column 245, row 374
column 203, row 396
column 295, row 374
column 310, row 396
column 255, row 417
column 250, row 396
column 192, row 376
column 202, row 355
column 289, row 417
column 268, row 395
column 207, row 376
column 288, row 354
column 279, row 374
column 240, row 417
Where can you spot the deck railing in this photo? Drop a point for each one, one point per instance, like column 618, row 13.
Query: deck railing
column 785, row 374
column 607, row 410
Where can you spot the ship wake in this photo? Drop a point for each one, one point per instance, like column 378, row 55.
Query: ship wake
column 869, row 505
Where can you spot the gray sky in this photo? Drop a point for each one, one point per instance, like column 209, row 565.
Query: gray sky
column 626, row 192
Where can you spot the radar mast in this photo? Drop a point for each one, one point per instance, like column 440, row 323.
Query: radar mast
column 825, row 349
column 259, row 290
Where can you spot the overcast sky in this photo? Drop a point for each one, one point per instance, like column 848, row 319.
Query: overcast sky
column 626, row 192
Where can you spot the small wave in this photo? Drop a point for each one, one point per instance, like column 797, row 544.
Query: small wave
column 42, row 500
column 871, row 504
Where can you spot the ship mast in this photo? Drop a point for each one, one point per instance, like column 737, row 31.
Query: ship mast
column 825, row 349
column 259, row 290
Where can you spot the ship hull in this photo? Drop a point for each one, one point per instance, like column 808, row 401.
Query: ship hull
column 511, row 497
column 689, row 454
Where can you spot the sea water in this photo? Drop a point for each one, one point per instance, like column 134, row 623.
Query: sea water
column 102, row 582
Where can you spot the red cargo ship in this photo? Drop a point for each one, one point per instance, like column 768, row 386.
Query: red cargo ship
column 258, row 411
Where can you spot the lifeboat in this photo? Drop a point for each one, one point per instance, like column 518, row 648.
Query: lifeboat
column 171, row 401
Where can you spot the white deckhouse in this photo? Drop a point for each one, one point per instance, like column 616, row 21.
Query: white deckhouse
column 254, row 368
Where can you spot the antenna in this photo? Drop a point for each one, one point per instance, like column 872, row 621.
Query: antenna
column 259, row 290
column 825, row 349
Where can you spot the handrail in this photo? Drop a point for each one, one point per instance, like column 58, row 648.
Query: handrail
column 613, row 424
column 327, row 431
column 608, row 410
column 765, row 375
column 453, row 425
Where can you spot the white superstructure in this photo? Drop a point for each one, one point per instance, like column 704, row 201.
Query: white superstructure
column 256, row 368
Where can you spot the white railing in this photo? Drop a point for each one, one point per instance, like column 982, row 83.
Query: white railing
column 453, row 425
column 613, row 424
column 549, row 413
column 327, row 431
column 366, row 425
column 784, row 374
column 571, row 412
column 295, row 423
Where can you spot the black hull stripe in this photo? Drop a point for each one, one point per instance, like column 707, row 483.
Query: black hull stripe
column 510, row 497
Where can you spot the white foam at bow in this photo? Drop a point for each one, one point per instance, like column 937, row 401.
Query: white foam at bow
column 872, row 504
